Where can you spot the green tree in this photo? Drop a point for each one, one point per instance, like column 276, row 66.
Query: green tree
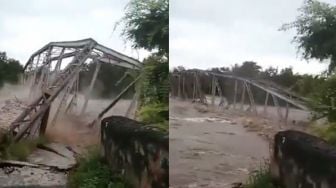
column 154, row 91
column 269, row 73
column 10, row 69
column 324, row 99
column 307, row 85
column 316, row 38
column 286, row 77
column 248, row 69
column 179, row 69
column 147, row 24
column 316, row 31
column 155, row 80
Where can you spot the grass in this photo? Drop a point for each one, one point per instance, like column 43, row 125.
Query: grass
column 260, row 178
column 93, row 172
column 155, row 115
column 327, row 132
column 10, row 150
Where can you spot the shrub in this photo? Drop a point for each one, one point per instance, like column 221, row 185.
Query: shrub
column 324, row 99
column 93, row 172
column 154, row 91
column 261, row 178
column 19, row 150
column 327, row 132
column 153, row 113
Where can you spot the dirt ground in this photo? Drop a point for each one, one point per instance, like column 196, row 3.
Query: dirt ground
column 215, row 148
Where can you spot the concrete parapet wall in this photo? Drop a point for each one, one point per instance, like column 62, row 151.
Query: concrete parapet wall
column 301, row 160
column 138, row 151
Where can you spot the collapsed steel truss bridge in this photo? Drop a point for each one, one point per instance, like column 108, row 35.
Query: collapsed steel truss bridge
column 188, row 85
column 53, row 72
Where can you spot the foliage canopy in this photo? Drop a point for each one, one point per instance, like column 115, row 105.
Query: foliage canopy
column 10, row 69
column 316, row 31
column 147, row 24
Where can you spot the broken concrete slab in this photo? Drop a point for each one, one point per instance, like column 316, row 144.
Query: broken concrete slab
column 16, row 163
column 51, row 159
column 32, row 177
column 60, row 149
column 45, row 168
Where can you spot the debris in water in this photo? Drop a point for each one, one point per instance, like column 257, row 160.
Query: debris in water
column 202, row 119
column 10, row 110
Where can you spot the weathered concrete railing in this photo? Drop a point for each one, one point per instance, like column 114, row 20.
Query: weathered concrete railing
column 303, row 160
column 138, row 151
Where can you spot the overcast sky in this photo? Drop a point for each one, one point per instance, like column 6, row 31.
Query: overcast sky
column 26, row 26
column 216, row 33
column 203, row 34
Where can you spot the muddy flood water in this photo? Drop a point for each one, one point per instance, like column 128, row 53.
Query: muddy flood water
column 71, row 129
column 216, row 148
column 74, row 130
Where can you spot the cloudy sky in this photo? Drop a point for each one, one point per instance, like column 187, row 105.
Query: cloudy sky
column 217, row 33
column 203, row 34
column 26, row 26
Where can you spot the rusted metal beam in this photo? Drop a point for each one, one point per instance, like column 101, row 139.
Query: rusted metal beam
column 110, row 55
column 59, row 61
column 45, row 117
column 287, row 112
column 266, row 103
column 63, row 101
column 114, row 102
column 184, row 94
column 118, row 97
column 220, row 92
column 60, row 83
column 25, row 113
column 93, row 81
column 242, row 101
column 194, row 86
column 290, row 101
column 276, row 104
column 235, row 94
column 179, row 87
column 213, row 90
column 132, row 105
column 251, row 98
